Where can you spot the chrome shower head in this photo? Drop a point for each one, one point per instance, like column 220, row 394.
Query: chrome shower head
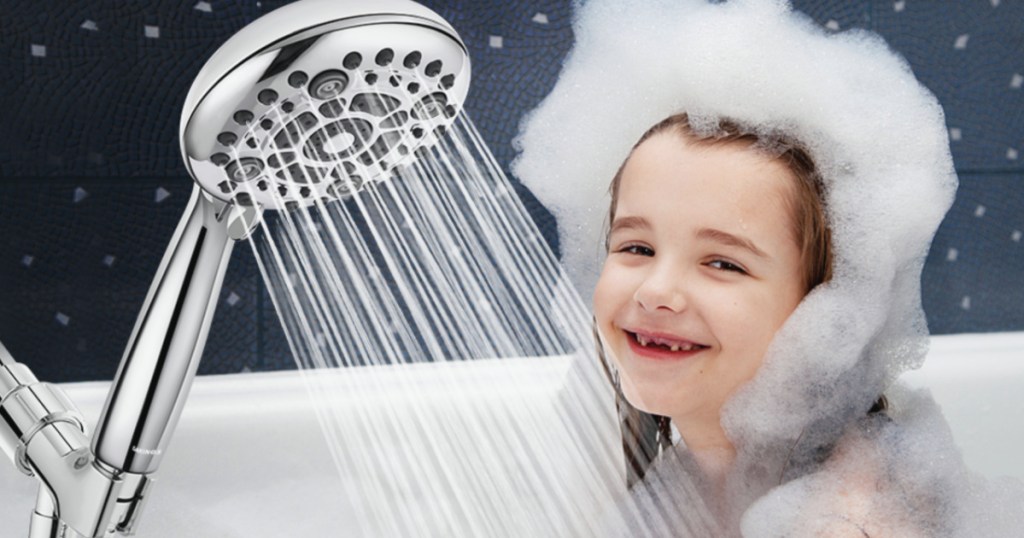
column 319, row 97
column 306, row 103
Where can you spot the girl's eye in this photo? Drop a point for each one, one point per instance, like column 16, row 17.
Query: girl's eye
column 727, row 266
column 638, row 250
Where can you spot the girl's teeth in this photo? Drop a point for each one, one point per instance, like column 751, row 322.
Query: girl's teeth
column 645, row 342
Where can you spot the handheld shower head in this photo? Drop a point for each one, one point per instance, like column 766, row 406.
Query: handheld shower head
column 307, row 103
column 320, row 97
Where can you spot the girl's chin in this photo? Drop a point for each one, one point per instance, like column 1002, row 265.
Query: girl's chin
column 646, row 401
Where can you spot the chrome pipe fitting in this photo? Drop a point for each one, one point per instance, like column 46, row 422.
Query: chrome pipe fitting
column 29, row 408
column 43, row 434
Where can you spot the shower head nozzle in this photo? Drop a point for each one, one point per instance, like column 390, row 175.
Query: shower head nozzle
column 319, row 97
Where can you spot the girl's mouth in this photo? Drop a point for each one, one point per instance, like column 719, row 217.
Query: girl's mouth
column 661, row 347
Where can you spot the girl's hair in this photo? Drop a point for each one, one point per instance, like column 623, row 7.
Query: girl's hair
column 645, row 435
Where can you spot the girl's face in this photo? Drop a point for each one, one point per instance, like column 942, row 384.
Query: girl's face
column 702, row 269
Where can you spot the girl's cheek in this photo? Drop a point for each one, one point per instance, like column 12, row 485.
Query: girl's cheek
column 626, row 277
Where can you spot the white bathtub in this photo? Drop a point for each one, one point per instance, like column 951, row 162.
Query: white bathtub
column 248, row 458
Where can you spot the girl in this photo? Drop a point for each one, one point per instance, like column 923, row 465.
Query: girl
column 761, row 286
column 688, row 301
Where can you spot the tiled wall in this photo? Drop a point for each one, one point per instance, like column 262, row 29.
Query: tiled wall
column 91, row 183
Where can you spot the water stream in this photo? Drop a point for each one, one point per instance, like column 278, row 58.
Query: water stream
column 433, row 293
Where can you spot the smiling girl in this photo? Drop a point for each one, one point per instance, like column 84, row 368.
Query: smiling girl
column 708, row 255
column 775, row 191
column 713, row 243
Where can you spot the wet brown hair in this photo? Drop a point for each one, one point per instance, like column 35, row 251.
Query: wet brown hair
column 645, row 435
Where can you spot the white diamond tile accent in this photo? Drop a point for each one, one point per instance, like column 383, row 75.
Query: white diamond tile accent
column 961, row 41
column 63, row 318
column 496, row 42
column 204, row 6
column 39, row 51
column 27, row 260
column 979, row 211
column 540, row 18
column 952, row 254
column 1016, row 81
column 152, row 32
column 90, row 25
column 80, row 194
column 955, row 134
column 899, row 6
column 161, row 194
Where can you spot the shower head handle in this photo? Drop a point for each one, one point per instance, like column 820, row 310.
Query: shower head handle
column 163, row 352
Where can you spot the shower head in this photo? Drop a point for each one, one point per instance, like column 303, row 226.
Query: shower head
column 307, row 103
column 319, row 97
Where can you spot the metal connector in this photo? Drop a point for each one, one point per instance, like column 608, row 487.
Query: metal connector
column 43, row 434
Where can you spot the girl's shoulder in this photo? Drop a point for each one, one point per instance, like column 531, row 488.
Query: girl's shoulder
column 890, row 474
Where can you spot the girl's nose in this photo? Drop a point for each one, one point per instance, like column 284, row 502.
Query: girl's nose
column 662, row 289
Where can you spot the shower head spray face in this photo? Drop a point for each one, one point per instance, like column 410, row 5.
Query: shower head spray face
column 319, row 97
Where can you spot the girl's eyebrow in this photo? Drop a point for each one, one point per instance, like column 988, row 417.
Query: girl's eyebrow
column 630, row 223
column 729, row 239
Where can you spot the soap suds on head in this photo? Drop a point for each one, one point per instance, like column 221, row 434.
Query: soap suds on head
column 877, row 137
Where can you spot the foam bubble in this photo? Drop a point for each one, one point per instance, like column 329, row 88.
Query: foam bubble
column 894, row 475
column 879, row 140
